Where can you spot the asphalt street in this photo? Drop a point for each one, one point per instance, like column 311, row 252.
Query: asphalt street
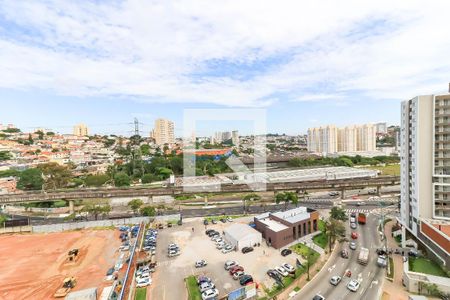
column 370, row 276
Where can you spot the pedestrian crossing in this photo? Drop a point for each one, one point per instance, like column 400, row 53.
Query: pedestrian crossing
column 359, row 210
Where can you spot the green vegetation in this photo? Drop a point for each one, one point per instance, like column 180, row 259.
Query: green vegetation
column 398, row 239
column 343, row 161
column 321, row 240
column 96, row 208
column 96, row 180
column 393, row 170
column 426, row 266
column 286, row 197
column 8, row 173
column 141, row 294
column 30, row 179
column 2, row 219
column 304, row 251
column 135, row 205
column 338, row 214
column 5, row 155
column 148, row 211
column 121, row 179
column 193, row 291
column 321, row 225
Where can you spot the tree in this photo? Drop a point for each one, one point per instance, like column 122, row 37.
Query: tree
column 2, row 219
column 148, row 211
column 149, row 178
column 309, row 261
column 135, row 205
column 145, row 149
column 96, row 180
column 333, row 228
column 279, row 197
column 30, row 179
column 40, row 134
column 56, row 176
column 121, row 179
column 338, row 214
column 250, row 197
column 5, row 155
column 292, row 197
column 96, row 208
column 286, row 197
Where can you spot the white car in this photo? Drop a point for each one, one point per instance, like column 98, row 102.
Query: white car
column 210, row 294
column 144, row 282
column 206, row 286
column 237, row 275
column 143, row 276
column 227, row 248
column 353, row 285
column 288, row 268
column 229, row 264
column 281, row 271
column 145, row 269
column 220, row 246
column 173, row 253
column 200, row 263
column 335, row 280
column 215, row 238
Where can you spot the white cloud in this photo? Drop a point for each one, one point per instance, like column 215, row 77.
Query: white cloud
column 150, row 51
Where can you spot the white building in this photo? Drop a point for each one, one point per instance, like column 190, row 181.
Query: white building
column 80, row 130
column 242, row 235
column 425, row 172
column 235, row 138
column 381, row 128
column 163, row 133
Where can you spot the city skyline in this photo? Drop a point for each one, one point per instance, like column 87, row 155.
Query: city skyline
column 64, row 68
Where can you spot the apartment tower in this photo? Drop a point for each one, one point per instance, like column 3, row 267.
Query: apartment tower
column 163, row 133
column 425, row 172
column 80, row 130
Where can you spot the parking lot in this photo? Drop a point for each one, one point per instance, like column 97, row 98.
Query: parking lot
column 168, row 280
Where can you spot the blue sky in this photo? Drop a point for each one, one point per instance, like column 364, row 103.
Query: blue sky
column 107, row 62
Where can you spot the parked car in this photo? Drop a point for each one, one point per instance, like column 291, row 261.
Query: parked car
column 352, row 245
column 238, row 275
column 352, row 219
column 200, row 263
column 245, row 279
column 335, row 280
column 202, row 279
column 288, row 268
column 354, row 235
column 227, row 248
column 247, row 249
column 208, row 231
column 282, row 271
column 229, row 264
column 143, row 282
column 173, row 253
column 214, row 221
column 286, row 252
column 353, row 285
column 223, row 220
column 110, row 271
column 344, row 253
column 236, row 269
column 274, row 274
column 229, row 219
column 205, row 222
column 220, row 246
column 353, row 225
column 318, row 297
column 210, row 294
column 204, row 286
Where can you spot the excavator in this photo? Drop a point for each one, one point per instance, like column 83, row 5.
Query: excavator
column 68, row 284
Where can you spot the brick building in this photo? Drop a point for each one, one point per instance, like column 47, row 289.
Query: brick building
column 282, row 228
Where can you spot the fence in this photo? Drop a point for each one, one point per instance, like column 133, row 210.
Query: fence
column 100, row 223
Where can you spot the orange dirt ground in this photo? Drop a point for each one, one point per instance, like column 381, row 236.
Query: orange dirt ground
column 33, row 266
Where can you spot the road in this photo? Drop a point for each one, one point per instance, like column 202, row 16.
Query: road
column 370, row 276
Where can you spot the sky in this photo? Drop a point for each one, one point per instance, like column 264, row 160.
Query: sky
column 307, row 63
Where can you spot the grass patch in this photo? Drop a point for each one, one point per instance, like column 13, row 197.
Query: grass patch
column 193, row 290
column 426, row 266
column 302, row 250
column 141, row 294
column 321, row 240
column 391, row 268
column 217, row 218
column 392, row 170
column 296, row 289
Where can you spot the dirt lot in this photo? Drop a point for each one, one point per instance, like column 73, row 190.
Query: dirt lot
column 168, row 279
column 34, row 265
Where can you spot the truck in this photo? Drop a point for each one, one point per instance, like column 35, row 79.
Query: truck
column 361, row 218
column 363, row 257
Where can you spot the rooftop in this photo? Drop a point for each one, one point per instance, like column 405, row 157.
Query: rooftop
column 293, row 215
column 273, row 225
column 239, row 230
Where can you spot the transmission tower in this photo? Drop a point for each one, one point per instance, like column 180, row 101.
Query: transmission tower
column 136, row 126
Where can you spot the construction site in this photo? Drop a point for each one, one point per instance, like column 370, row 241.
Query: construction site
column 50, row 266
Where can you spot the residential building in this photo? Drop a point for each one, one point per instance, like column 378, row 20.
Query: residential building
column 381, row 128
column 282, row 228
column 163, row 132
column 330, row 139
column 323, row 139
column 80, row 130
column 235, row 138
column 425, row 172
column 8, row 185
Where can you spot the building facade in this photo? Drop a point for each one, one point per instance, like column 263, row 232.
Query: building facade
column 235, row 138
column 282, row 228
column 330, row 139
column 425, row 172
column 381, row 128
column 80, row 130
column 163, row 133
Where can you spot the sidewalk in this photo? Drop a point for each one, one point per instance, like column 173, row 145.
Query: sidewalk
column 394, row 290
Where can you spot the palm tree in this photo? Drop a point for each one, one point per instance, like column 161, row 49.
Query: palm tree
column 333, row 228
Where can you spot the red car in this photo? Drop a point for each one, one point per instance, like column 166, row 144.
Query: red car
column 354, row 235
column 235, row 269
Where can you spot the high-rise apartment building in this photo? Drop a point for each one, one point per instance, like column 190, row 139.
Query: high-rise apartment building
column 163, row 133
column 80, row 130
column 425, row 172
column 330, row 139
column 323, row 139
column 381, row 128
column 235, row 137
